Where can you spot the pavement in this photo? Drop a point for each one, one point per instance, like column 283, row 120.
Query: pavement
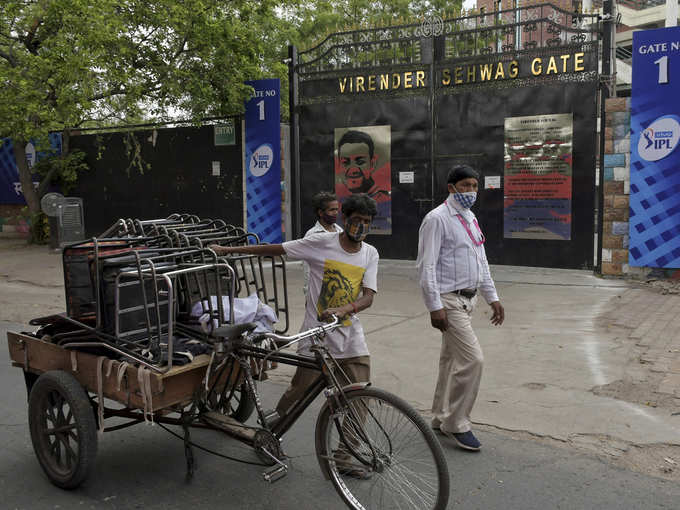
column 581, row 361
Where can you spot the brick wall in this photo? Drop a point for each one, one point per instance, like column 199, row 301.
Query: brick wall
column 616, row 187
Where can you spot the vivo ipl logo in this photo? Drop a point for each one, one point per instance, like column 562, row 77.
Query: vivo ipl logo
column 261, row 160
column 659, row 139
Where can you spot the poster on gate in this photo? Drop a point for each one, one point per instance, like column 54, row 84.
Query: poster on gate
column 363, row 165
column 538, row 177
column 263, row 160
column 654, row 219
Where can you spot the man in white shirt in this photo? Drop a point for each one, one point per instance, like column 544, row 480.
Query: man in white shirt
column 452, row 268
column 343, row 280
column 326, row 209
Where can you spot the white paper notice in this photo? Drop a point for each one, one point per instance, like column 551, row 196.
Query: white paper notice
column 216, row 168
column 405, row 177
column 492, row 182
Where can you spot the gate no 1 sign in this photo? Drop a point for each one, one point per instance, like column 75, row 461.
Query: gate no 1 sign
column 263, row 160
column 655, row 160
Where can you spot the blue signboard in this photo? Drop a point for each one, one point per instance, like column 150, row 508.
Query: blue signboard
column 263, row 160
column 10, row 186
column 655, row 157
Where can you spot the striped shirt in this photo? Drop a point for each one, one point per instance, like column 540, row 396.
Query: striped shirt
column 448, row 259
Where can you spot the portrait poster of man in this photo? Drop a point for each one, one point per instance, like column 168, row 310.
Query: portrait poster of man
column 362, row 165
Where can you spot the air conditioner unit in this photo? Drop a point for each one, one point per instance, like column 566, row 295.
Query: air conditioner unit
column 67, row 221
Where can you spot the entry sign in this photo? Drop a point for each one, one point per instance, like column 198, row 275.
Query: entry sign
column 225, row 133
column 263, row 160
column 654, row 223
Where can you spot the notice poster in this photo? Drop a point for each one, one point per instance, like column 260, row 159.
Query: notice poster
column 362, row 165
column 538, row 177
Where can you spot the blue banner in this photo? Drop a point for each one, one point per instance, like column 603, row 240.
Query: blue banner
column 10, row 186
column 655, row 157
column 263, row 160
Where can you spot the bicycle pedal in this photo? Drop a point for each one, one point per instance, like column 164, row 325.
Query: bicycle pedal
column 275, row 473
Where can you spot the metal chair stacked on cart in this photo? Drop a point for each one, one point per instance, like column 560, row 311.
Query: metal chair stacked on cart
column 144, row 286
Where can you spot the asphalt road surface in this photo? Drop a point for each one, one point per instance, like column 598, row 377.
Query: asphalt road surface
column 143, row 467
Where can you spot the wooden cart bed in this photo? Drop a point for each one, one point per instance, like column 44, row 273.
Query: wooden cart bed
column 171, row 389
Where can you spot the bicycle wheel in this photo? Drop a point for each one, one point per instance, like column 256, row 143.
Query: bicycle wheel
column 400, row 463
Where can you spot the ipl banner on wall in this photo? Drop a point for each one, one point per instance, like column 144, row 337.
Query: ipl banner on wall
column 538, row 177
column 654, row 221
column 10, row 186
column 363, row 165
column 263, row 160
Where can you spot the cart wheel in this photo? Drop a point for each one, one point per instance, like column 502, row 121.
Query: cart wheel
column 63, row 428
column 240, row 406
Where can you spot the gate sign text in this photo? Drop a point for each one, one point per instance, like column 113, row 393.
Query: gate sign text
column 474, row 72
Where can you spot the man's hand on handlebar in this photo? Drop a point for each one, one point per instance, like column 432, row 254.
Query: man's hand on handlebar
column 339, row 311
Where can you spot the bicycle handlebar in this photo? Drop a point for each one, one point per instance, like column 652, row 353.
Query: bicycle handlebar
column 290, row 340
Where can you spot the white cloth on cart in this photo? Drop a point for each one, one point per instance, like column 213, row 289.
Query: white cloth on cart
column 249, row 309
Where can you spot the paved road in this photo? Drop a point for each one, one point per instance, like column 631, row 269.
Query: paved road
column 143, row 467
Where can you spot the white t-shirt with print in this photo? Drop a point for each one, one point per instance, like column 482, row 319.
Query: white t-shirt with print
column 336, row 278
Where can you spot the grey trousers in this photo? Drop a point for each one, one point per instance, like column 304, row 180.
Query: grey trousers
column 358, row 369
column 460, row 367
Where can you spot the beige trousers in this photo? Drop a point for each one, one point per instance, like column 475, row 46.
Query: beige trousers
column 358, row 369
column 460, row 367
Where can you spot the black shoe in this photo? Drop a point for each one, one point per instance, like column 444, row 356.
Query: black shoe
column 348, row 466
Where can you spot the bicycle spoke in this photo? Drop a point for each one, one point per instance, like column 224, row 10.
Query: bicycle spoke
column 403, row 470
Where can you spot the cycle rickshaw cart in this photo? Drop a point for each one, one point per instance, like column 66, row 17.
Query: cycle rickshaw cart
column 152, row 331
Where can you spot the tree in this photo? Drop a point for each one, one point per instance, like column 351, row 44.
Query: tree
column 313, row 20
column 74, row 63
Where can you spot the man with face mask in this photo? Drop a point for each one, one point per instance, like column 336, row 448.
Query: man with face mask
column 452, row 268
column 326, row 209
column 343, row 280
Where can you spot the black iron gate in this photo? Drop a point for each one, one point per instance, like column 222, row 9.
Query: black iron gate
column 441, row 93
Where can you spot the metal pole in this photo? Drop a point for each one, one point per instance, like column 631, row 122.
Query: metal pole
column 296, row 206
column 671, row 13
column 604, row 94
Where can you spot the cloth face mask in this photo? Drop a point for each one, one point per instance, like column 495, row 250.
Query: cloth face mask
column 357, row 232
column 465, row 199
column 328, row 219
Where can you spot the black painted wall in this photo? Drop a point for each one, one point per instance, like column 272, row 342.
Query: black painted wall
column 177, row 176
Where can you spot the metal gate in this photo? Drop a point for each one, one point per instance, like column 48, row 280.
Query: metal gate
column 414, row 100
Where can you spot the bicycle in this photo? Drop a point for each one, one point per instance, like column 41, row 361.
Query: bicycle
column 374, row 447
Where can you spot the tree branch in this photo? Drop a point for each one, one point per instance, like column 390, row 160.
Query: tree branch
column 9, row 58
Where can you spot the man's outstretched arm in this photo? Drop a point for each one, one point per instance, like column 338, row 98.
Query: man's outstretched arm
column 254, row 249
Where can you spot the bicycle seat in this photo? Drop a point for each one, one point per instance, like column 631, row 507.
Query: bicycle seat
column 232, row 331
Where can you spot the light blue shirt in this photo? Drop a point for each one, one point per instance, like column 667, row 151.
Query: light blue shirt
column 448, row 259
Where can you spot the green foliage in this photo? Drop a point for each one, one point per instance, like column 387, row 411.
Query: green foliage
column 313, row 20
column 61, row 171
column 71, row 63
column 38, row 225
column 133, row 151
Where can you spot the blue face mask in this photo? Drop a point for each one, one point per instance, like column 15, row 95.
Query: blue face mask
column 465, row 199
